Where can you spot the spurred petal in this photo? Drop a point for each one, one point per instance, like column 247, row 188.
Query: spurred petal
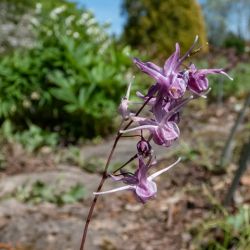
column 148, row 69
column 115, row 190
column 138, row 128
column 151, row 177
column 153, row 66
column 172, row 62
column 154, row 72
column 187, row 54
column 213, row 71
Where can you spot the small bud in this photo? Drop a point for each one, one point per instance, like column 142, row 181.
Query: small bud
column 144, row 148
column 123, row 109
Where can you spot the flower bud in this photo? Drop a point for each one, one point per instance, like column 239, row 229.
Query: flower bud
column 143, row 148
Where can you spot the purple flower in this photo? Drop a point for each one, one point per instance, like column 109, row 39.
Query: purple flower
column 123, row 107
column 142, row 185
column 163, row 133
column 198, row 82
column 168, row 80
column 163, row 128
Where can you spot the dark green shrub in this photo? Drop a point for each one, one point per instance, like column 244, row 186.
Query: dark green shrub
column 158, row 25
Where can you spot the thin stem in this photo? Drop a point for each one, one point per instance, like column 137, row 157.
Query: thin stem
column 131, row 159
column 104, row 176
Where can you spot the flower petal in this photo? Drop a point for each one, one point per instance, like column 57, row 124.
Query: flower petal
column 146, row 192
column 138, row 128
column 151, row 71
column 172, row 62
column 151, row 177
column 115, row 190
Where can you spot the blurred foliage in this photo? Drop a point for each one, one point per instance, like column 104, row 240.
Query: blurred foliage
column 31, row 139
column 240, row 84
column 229, row 232
column 158, row 25
column 70, row 81
column 17, row 7
column 224, row 17
column 234, row 41
column 40, row 192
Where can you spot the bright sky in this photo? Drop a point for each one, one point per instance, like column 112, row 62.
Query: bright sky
column 106, row 11
column 110, row 11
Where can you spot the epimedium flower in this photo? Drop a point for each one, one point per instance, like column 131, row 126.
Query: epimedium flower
column 140, row 183
column 171, row 81
column 163, row 133
column 168, row 79
column 163, row 128
column 198, row 82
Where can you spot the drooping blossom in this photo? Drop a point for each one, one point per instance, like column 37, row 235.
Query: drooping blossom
column 197, row 80
column 140, row 183
column 164, row 131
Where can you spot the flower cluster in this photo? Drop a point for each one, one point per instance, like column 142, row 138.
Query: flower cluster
column 175, row 85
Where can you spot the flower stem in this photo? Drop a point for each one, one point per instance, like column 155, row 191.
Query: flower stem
column 131, row 159
column 104, row 177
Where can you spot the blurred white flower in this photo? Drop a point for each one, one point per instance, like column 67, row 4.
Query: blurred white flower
column 38, row 8
column 26, row 103
column 89, row 31
column 76, row 35
column 69, row 20
column 35, row 96
column 68, row 32
column 34, row 21
column 55, row 12
column 104, row 46
column 247, row 49
column 13, row 108
column 84, row 17
column 90, row 22
column 49, row 33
